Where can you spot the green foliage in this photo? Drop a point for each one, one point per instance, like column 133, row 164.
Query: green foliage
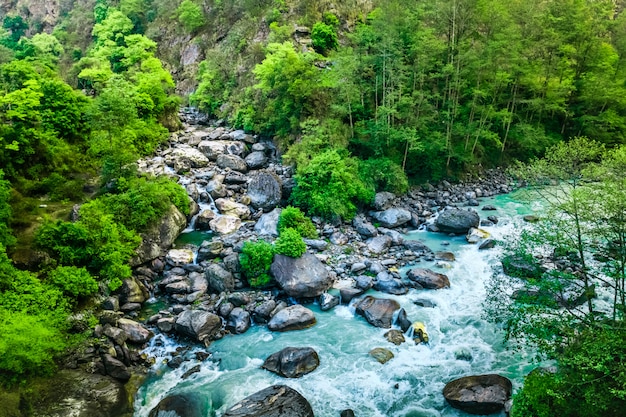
column 384, row 175
column 324, row 37
column 256, row 259
column 290, row 243
column 293, row 218
column 190, row 16
column 330, row 186
column 74, row 282
column 6, row 238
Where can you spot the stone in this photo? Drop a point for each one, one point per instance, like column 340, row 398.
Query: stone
column 475, row 235
column 304, row 277
column 397, row 238
column 382, row 355
column 238, row 321
column 219, row 279
column 379, row 244
column 116, row 334
column 364, row 282
column 358, row 267
column 479, row 394
column 348, row 294
column 392, row 217
column 402, row 320
column 454, row 220
column 295, row 317
column 445, row 256
column 198, row 325
column 383, row 200
column 530, row 218
column 424, row 303
column 346, row 413
column 178, row 405
column 338, row 238
column 487, row 244
column 489, row 207
column 395, row 336
column 363, row 227
column 115, row 368
column 135, row 331
column 131, row 292
column 386, row 283
column 256, row 160
column 159, row 237
column 203, row 219
column 166, row 324
column 225, row 225
column 210, row 249
column 263, row 312
column 179, row 257
column 292, row 362
column 189, row 156
column 328, row 301
column 265, row 190
column 428, row 279
column 378, row 312
column 232, row 208
column 316, row 244
column 233, row 162
column 520, row 267
column 267, row 225
column 274, row 401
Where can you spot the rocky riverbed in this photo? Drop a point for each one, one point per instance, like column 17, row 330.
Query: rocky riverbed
column 237, row 187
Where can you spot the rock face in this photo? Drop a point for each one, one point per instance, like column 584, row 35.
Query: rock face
column 455, row 220
column 274, row 401
column 292, row 362
column 198, row 325
column 378, row 312
column 265, row 191
column 304, row 277
column 159, row 237
column 428, row 279
column 295, row 317
column 177, row 406
column 392, row 217
column 478, row 394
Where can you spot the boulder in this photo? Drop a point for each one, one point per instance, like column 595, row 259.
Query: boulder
column 316, row 244
column 382, row 355
column 225, row 225
column 198, row 325
column 264, row 190
column 158, row 238
column 115, row 368
column 479, row 394
column 392, row 217
column 386, row 283
column 267, row 225
column 487, row 244
column 475, row 235
column 135, row 331
column 232, row 208
column 363, row 282
column 233, row 162
column 179, row 257
column 256, row 160
column 378, row 312
column 292, row 362
column 203, row 219
column 209, row 249
column 295, row 317
column 454, row 220
column 363, row 227
column 178, row 405
column 348, row 294
column 274, row 401
column 304, row 277
column 521, row 267
column 395, row 336
column 379, row 244
column 219, row 279
column 189, row 156
column 383, row 200
column 428, row 279
column 445, row 256
column 238, row 321
column 131, row 292
column 328, row 301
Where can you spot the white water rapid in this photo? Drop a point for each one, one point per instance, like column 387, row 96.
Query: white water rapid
column 462, row 343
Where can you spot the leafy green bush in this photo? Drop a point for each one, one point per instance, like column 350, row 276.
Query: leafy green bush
column 256, row 259
column 74, row 282
column 190, row 15
column 290, row 243
column 324, row 37
column 292, row 217
column 384, row 175
column 330, row 186
column 6, row 238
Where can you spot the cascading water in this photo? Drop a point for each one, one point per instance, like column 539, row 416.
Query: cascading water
column 461, row 342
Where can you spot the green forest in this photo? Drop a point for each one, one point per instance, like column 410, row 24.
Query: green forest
column 360, row 96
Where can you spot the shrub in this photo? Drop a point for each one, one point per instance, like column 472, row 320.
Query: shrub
column 290, row 243
column 74, row 282
column 256, row 259
column 190, row 15
column 293, row 218
column 323, row 37
column 383, row 174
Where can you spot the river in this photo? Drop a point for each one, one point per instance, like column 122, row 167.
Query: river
column 462, row 342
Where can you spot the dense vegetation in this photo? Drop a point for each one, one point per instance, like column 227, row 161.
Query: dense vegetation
column 570, row 298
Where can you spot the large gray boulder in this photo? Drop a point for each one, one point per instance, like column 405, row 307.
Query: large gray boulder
column 479, row 394
column 428, row 279
column 295, row 317
column 115, row 368
column 392, row 217
column 268, row 223
column 225, row 225
column 274, row 401
column 232, row 208
column 187, row 155
column 292, row 362
column 363, row 227
column 304, row 277
column 233, row 162
column 256, row 160
column 455, row 220
column 135, row 331
column 265, row 190
column 219, row 279
column 238, row 321
column 158, row 238
column 378, row 312
column 198, row 325
column 379, row 244
column 178, row 405
column 383, row 200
